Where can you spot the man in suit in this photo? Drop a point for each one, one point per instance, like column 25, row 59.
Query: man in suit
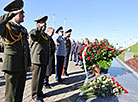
column 39, row 58
column 60, row 53
column 16, row 51
column 73, row 45
column 68, row 48
column 77, row 50
column 51, row 63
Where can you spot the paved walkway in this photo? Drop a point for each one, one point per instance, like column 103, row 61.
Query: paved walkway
column 66, row 92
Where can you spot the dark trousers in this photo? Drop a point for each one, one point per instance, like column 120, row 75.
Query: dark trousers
column 60, row 61
column 38, row 75
column 66, row 61
column 15, row 83
column 46, row 80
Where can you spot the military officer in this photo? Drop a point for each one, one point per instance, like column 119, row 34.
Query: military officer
column 68, row 48
column 39, row 57
column 51, row 63
column 60, row 53
column 16, row 51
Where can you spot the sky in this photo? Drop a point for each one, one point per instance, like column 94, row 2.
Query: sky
column 116, row 20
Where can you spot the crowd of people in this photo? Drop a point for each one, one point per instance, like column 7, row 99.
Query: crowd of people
column 37, row 55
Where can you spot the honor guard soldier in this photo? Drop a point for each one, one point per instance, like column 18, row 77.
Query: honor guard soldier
column 39, row 58
column 68, row 48
column 16, row 51
column 60, row 53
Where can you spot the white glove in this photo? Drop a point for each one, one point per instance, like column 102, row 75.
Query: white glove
column 42, row 24
column 17, row 11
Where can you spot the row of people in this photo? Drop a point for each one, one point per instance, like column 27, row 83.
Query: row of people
column 18, row 59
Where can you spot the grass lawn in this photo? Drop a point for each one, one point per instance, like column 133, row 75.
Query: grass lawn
column 133, row 49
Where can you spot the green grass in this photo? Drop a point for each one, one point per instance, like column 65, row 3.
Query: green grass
column 133, row 49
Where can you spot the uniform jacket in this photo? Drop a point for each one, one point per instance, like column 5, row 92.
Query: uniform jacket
column 68, row 46
column 40, row 47
column 61, row 46
column 16, row 55
column 51, row 63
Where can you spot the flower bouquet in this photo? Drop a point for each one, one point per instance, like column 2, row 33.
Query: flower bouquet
column 102, row 86
column 99, row 54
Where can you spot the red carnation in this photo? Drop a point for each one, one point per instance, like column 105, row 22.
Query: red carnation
column 110, row 83
column 85, row 54
column 104, row 44
column 80, row 57
column 105, row 76
column 125, row 91
column 116, row 82
column 98, row 44
column 114, row 49
column 102, row 47
column 94, row 43
column 103, row 41
column 106, row 48
column 92, row 55
column 113, row 79
column 89, row 48
column 98, row 51
column 88, row 58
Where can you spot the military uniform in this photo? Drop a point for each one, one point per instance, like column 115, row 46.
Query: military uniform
column 39, row 58
column 68, row 48
column 60, row 54
column 16, row 55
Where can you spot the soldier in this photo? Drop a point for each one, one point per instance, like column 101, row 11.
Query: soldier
column 60, row 54
column 68, row 48
column 16, row 51
column 51, row 63
column 39, row 58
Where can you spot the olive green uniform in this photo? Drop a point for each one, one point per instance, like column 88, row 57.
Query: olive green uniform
column 39, row 59
column 16, row 57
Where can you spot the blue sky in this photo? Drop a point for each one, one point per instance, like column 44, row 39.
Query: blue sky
column 116, row 20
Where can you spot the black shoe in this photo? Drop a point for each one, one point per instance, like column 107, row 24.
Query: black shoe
column 47, row 86
column 76, row 64
column 66, row 74
column 60, row 80
column 37, row 99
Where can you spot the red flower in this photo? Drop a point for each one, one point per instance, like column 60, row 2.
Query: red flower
column 104, row 41
column 114, row 49
column 113, row 79
column 93, row 47
column 102, row 47
column 125, row 91
column 94, row 43
column 116, row 82
column 98, row 51
column 109, row 48
column 89, row 48
column 85, row 54
column 98, row 44
column 108, row 43
column 88, row 58
column 106, row 48
column 104, row 44
column 80, row 57
column 110, row 83
column 92, row 55
column 105, row 76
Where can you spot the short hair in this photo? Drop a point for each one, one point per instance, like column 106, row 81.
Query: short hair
column 49, row 28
